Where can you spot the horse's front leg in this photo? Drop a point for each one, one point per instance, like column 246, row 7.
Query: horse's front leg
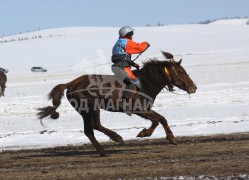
column 148, row 132
column 156, row 118
column 169, row 135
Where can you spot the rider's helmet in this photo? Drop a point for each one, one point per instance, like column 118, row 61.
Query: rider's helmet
column 126, row 31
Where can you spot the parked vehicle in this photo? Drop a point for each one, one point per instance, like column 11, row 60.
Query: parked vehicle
column 38, row 69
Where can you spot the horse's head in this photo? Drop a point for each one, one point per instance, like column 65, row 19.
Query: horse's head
column 4, row 70
column 177, row 75
column 3, row 79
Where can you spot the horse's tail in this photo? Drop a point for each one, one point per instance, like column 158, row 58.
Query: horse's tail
column 56, row 95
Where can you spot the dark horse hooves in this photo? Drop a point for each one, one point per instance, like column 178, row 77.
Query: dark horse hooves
column 119, row 141
column 144, row 133
column 172, row 141
column 102, row 152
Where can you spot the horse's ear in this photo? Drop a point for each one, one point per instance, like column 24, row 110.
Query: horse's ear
column 179, row 62
column 167, row 55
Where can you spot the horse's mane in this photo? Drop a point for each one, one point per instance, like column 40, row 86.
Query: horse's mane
column 152, row 75
column 156, row 63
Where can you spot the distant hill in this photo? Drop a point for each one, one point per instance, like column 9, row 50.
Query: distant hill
column 89, row 49
column 231, row 22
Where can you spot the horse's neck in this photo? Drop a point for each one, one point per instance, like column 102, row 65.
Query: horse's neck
column 153, row 85
column 156, row 91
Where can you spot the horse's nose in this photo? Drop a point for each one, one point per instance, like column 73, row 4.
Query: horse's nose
column 193, row 89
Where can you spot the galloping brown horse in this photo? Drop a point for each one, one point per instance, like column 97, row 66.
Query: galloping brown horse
column 90, row 93
column 3, row 80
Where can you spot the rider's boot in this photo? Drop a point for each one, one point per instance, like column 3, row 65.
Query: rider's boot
column 127, row 96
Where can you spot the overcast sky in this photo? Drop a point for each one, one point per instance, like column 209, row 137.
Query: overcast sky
column 24, row 15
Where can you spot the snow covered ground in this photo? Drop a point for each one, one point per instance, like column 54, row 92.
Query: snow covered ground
column 215, row 56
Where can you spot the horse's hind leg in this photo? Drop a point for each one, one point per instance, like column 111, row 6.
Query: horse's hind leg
column 3, row 90
column 95, row 120
column 88, row 130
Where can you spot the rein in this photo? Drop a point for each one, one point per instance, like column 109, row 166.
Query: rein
column 137, row 56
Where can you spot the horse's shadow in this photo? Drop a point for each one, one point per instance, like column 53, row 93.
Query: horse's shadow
column 72, row 153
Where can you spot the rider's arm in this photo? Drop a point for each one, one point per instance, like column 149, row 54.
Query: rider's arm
column 136, row 48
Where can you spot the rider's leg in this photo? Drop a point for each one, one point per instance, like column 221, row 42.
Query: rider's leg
column 124, row 76
column 129, row 87
column 129, row 73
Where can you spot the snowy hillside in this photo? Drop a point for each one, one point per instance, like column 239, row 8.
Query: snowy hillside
column 216, row 58
column 76, row 47
column 231, row 22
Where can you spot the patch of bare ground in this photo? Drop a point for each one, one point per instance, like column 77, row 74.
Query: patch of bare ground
column 219, row 156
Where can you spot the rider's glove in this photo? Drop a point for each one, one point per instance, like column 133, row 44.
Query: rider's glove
column 135, row 65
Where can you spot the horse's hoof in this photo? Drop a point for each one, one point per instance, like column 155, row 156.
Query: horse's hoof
column 142, row 133
column 173, row 141
column 120, row 142
column 103, row 154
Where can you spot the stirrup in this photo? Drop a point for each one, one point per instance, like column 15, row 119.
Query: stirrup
column 128, row 113
column 137, row 83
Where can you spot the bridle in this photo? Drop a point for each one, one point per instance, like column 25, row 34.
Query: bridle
column 167, row 73
column 178, row 75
